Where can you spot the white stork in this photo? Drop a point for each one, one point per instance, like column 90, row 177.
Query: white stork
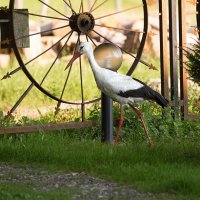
column 121, row 88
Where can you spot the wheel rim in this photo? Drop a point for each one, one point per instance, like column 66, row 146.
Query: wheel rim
column 85, row 23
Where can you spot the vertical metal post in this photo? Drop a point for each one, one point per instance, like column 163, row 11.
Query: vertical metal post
column 173, row 56
column 183, row 71
column 164, row 48
column 106, row 119
column 198, row 16
column 0, row 35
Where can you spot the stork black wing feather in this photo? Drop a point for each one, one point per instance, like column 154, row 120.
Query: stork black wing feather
column 145, row 92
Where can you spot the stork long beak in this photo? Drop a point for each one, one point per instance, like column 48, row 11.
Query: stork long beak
column 76, row 55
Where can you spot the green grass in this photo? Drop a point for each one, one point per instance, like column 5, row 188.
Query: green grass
column 24, row 192
column 166, row 167
column 170, row 166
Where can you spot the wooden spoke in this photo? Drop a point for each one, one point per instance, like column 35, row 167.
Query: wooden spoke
column 53, row 8
column 122, row 11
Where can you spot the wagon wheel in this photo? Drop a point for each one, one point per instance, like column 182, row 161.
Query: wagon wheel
column 82, row 21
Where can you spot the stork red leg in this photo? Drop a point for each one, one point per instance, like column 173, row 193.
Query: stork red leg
column 121, row 120
column 143, row 124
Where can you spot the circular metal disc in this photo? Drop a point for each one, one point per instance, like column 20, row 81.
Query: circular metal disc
column 108, row 56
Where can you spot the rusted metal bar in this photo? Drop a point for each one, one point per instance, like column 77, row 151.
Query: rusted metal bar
column 48, row 127
column 198, row 16
column 173, row 56
column 164, row 48
column 182, row 60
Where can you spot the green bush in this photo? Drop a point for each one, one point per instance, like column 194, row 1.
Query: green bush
column 193, row 63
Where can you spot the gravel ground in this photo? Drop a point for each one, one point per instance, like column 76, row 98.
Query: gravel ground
column 84, row 186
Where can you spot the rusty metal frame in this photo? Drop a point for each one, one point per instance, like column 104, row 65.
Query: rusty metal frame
column 163, row 48
column 164, row 6
column 182, row 45
column 182, row 60
column 48, row 127
column 180, row 107
column 173, row 57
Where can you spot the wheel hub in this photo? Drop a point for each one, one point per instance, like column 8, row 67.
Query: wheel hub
column 82, row 23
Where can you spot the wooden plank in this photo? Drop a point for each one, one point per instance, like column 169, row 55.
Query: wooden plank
column 48, row 127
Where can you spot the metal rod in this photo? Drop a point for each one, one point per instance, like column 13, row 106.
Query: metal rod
column 56, row 59
column 47, row 127
column 198, row 16
column 119, row 12
column 19, row 68
column 70, row 6
column 91, row 40
column 37, row 15
column 53, row 29
column 98, row 6
column 19, row 100
column 173, row 56
column 183, row 59
column 122, row 29
column 93, row 5
column 106, row 119
column 141, row 61
column 61, row 96
column 82, row 91
column 53, row 9
column 0, row 35
column 164, row 48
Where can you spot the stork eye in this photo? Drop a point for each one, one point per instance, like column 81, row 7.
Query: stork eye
column 81, row 48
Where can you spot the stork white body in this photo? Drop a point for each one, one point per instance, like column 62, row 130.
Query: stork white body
column 121, row 88
column 111, row 83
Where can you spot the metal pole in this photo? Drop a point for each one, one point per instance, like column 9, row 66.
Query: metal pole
column 163, row 48
column 198, row 16
column 0, row 35
column 106, row 119
column 183, row 71
column 173, row 56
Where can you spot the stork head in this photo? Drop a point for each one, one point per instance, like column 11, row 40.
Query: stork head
column 83, row 47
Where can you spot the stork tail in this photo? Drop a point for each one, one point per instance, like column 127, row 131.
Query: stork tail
column 160, row 99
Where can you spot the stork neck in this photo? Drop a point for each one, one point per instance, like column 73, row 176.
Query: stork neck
column 92, row 61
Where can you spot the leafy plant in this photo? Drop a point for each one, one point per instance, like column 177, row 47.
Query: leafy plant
column 193, row 63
